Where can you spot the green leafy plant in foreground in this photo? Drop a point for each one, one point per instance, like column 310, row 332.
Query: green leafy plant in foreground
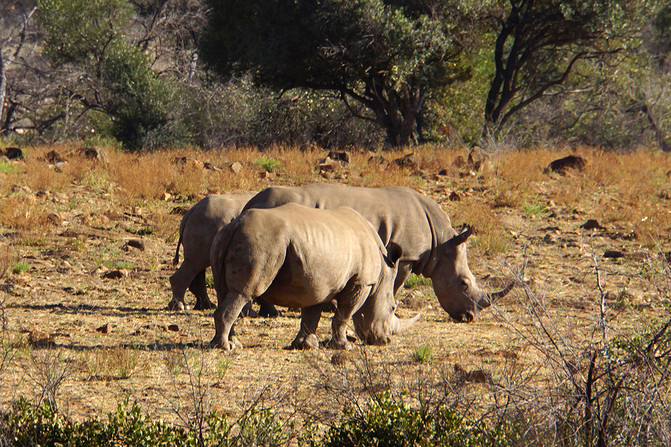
column 387, row 421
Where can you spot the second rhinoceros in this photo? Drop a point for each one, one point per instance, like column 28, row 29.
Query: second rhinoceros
column 197, row 229
column 301, row 257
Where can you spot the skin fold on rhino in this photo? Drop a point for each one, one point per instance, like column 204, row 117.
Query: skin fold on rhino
column 197, row 230
column 301, row 257
column 411, row 221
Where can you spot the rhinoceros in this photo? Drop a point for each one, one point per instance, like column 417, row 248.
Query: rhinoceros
column 413, row 222
column 301, row 257
column 197, row 229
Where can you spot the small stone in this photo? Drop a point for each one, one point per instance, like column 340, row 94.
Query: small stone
column 116, row 274
column 592, row 224
column 613, row 254
column 104, row 329
column 135, row 243
column 173, row 327
column 236, row 167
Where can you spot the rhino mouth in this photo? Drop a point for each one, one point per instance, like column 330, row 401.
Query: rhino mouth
column 465, row 317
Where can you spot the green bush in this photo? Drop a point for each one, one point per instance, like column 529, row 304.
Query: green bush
column 392, row 422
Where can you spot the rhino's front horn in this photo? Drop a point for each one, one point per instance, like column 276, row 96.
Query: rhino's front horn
column 399, row 325
column 484, row 303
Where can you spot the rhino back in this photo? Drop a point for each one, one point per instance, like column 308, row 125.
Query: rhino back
column 299, row 256
column 400, row 215
column 206, row 218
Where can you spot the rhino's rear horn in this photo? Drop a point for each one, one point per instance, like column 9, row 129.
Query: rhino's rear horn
column 463, row 235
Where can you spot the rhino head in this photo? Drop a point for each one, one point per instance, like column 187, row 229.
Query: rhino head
column 376, row 321
column 454, row 284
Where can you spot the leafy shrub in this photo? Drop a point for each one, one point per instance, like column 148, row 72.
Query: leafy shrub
column 390, row 422
column 268, row 164
column 25, row 424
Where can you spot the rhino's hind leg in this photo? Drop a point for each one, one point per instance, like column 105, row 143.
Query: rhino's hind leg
column 224, row 317
column 307, row 338
column 180, row 281
column 199, row 288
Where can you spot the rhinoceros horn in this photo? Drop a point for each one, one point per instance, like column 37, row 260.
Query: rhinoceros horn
column 399, row 325
column 461, row 237
column 484, row 303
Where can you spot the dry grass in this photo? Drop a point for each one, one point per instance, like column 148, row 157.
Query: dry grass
column 72, row 225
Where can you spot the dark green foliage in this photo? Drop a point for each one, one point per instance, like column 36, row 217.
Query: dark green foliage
column 381, row 58
column 27, row 425
column 392, row 422
column 117, row 76
column 538, row 44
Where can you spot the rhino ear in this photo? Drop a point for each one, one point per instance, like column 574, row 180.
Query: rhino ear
column 394, row 253
column 461, row 237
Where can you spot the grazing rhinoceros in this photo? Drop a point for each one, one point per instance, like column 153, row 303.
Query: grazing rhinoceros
column 302, row 257
column 412, row 221
column 196, row 232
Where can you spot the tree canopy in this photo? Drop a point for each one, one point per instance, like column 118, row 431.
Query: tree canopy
column 379, row 57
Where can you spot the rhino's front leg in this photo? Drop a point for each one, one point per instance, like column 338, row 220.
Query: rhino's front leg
column 224, row 317
column 307, row 338
column 349, row 301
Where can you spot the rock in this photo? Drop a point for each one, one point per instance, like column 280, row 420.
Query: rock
column 613, row 254
column 14, row 153
column 236, row 167
column 104, row 329
column 116, row 274
column 189, row 162
column 54, row 157
column 135, row 243
column 564, row 165
column 379, row 161
column 173, row 327
column 592, row 224
column 454, row 196
column 211, row 167
column 342, row 157
column 327, row 164
column 94, row 153
column 410, row 161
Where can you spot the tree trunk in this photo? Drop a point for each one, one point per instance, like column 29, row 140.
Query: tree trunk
column 3, row 86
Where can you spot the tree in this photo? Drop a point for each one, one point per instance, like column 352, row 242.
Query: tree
column 538, row 44
column 380, row 57
column 107, row 73
column 15, row 18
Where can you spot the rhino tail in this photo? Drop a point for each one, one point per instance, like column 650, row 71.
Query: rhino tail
column 182, row 226
column 219, row 247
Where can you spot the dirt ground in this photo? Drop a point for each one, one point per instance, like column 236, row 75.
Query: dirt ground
column 86, row 323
